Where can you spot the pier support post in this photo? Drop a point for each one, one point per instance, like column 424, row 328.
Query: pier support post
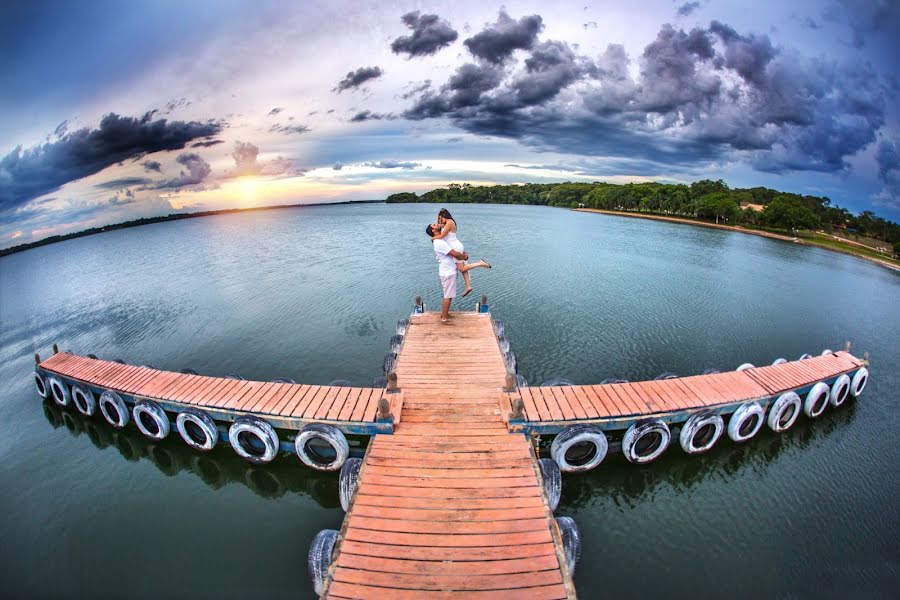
column 55, row 349
column 37, row 358
column 847, row 346
column 383, row 413
column 392, row 387
column 510, row 385
column 518, row 410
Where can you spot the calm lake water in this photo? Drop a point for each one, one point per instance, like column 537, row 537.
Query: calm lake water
column 314, row 294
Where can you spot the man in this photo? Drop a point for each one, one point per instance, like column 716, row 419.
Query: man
column 446, row 258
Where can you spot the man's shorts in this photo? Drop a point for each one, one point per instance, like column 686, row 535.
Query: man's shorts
column 448, row 282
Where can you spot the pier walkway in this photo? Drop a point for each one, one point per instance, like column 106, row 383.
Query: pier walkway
column 450, row 505
column 548, row 410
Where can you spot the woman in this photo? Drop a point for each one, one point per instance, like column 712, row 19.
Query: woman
column 448, row 234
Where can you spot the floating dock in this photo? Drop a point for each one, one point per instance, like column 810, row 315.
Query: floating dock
column 453, row 495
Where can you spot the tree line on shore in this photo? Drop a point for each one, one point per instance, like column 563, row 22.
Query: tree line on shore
column 707, row 200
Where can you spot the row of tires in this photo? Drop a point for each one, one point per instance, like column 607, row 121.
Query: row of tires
column 319, row 446
column 580, row 448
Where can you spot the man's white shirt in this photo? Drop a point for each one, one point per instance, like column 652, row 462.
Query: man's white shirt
column 446, row 263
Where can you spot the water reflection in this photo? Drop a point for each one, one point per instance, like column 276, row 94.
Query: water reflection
column 215, row 469
column 628, row 485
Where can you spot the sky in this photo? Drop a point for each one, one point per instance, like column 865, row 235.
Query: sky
column 111, row 111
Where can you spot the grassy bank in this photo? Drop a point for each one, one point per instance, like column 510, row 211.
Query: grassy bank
column 808, row 238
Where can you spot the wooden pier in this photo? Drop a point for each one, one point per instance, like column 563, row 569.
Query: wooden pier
column 451, row 504
column 450, row 499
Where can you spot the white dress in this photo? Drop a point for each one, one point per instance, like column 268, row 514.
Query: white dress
column 454, row 242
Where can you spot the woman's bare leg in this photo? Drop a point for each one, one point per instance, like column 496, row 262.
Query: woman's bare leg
column 468, row 279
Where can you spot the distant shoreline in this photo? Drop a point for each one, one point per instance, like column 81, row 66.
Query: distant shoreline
column 774, row 236
column 162, row 219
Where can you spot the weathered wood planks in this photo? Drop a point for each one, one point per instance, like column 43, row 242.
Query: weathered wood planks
column 279, row 400
column 450, row 505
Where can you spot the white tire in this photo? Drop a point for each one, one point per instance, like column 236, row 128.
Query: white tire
column 784, row 412
column 571, row 541
column 59, row 391
column 745, row 366
column 113, row 409
column 582, row 436
column 816, row 400
column 348, row 481
column 151, row 419
column 701, row 432
column 840, row 389
column 323, row 435
column 826, row 352
column 551, row 478
column 254, row 439
column 84, row 400
column 746, row 422
column 779, row 361
column 860, row 379
column 197, row 429
column 41, row 384
column 646, row 441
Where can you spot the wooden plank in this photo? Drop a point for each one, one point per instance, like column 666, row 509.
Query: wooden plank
column 363, row 497
column 448, row 582
column 454, row 527
column 488, row 567
column 346, row 409
column 368, row 395
column 462, row 515
column 451, row 541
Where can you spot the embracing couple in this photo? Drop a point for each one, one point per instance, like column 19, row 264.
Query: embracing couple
column 451, row 257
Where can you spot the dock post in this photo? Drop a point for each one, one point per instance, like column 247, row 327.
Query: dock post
column 420, row 306
column 55, row 349
column 392, row 383
column 37, row 358
column 847, row 346
column 510, row 383
column 518, row 410
column 384, row 411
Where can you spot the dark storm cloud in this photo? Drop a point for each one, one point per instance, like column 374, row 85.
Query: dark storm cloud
column 114, row 184
column 748, row 55
column 61, row 129
column 430, row 33
column 551, row 67
column 356, row 78
column 367, row 115
column 195, row 172
column 289, row 129
column 702, row 95
column 392, row 164
column 497, row 42
column 152, row 165
column 687, row 8
column 28, row 173
column 337, row 166
column 415, row 89
column 207, row 143
column 887, row 156
column 275, row 111
column 865, row 17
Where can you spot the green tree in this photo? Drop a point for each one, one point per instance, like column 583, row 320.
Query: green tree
column 785, row 212
column 718, row 205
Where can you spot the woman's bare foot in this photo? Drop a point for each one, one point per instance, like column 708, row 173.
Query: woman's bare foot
column 487, row 264
column 467, row 292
